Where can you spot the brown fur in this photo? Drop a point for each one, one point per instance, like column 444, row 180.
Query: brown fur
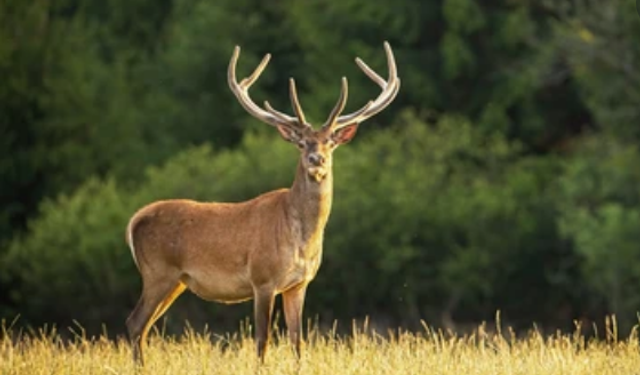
column 231, row 252
column 269, row 245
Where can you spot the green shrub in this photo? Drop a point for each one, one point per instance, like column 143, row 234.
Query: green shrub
column 428, row 219
column 74, row 263
column 601, row 215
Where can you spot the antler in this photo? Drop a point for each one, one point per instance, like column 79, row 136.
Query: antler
column 274, row 117
column 389, row 87
column 266, row 114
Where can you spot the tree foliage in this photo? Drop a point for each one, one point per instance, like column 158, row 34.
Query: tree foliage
column 432, row 195
column 502, row 177
column 600, row 213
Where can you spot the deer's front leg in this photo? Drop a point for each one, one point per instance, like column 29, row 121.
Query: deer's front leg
column 293, row 303
column 263, row 308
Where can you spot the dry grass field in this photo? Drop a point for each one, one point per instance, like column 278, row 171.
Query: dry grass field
column 430, row 352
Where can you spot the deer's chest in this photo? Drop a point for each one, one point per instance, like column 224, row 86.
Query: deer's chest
column 304, row 266
column 304, row 253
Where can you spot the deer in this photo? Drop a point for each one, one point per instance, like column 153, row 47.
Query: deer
column 256, row 249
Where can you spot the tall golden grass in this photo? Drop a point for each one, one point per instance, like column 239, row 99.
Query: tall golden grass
column 429, row 352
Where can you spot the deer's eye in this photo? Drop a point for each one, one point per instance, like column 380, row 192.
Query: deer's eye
column 301, row 144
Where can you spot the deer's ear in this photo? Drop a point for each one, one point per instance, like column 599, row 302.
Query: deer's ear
column 345, row 134
column 289, row 134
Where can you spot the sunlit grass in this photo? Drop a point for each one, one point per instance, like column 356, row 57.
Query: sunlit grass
column 427, row 352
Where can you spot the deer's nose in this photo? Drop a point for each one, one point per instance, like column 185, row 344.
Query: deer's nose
column 316, row 159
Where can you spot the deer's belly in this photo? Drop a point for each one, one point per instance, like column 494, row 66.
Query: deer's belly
column 219, row 287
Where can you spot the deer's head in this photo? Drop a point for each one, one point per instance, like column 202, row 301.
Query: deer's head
column 316, row 146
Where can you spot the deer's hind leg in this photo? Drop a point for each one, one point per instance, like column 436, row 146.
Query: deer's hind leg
column 154, row 301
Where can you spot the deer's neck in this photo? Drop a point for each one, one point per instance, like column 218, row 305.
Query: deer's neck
column 310, row 205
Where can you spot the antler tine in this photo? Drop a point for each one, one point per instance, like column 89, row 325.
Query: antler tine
column 349, row 118
column 241, row 91
column 390, row 88
column 339, row 107
column 240, row 88
column 295, row 102
column 273, row 111
column 370, row 73
column 391, row 60
column 249, row 81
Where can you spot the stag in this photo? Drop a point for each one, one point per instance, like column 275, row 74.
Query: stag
column 256, row 249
